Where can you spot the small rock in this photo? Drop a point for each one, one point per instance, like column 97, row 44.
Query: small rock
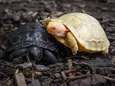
column 41, row 68
column 25, row 65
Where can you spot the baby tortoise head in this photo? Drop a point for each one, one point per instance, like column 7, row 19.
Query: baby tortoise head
column 55, row 27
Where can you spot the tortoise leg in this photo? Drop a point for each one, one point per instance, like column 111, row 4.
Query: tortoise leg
column 49, row 57
column 72, row 43
column 42, row 56
column 105, row 52
column 17, row 53
column 69, row 41
column 37, row 53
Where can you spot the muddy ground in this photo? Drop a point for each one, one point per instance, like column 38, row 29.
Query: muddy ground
column 14, row 12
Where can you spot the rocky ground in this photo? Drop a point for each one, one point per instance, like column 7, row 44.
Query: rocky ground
column 14, row 12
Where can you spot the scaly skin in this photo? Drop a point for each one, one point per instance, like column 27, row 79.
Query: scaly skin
column 69, row 41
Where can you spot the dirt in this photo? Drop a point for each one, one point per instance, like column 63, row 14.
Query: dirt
column 14, row 12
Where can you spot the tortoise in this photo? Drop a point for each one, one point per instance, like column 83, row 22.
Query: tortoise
column 78, row 31
column 33, row 41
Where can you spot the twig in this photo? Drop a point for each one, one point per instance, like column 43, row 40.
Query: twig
column 107, row 77
column 20, row 79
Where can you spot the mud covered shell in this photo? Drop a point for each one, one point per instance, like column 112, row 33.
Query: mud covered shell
column 87, row 31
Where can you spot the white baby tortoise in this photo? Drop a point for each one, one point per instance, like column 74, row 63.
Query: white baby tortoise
column 80, row 32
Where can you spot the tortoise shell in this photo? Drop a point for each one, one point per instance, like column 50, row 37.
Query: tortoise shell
column 85, row 33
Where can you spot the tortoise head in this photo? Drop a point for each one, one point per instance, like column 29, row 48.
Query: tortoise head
column 56, row 28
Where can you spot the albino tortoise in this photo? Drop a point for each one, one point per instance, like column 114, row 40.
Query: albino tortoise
column 80, row 32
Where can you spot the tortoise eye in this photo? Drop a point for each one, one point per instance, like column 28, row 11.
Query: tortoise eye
column 53, row 28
